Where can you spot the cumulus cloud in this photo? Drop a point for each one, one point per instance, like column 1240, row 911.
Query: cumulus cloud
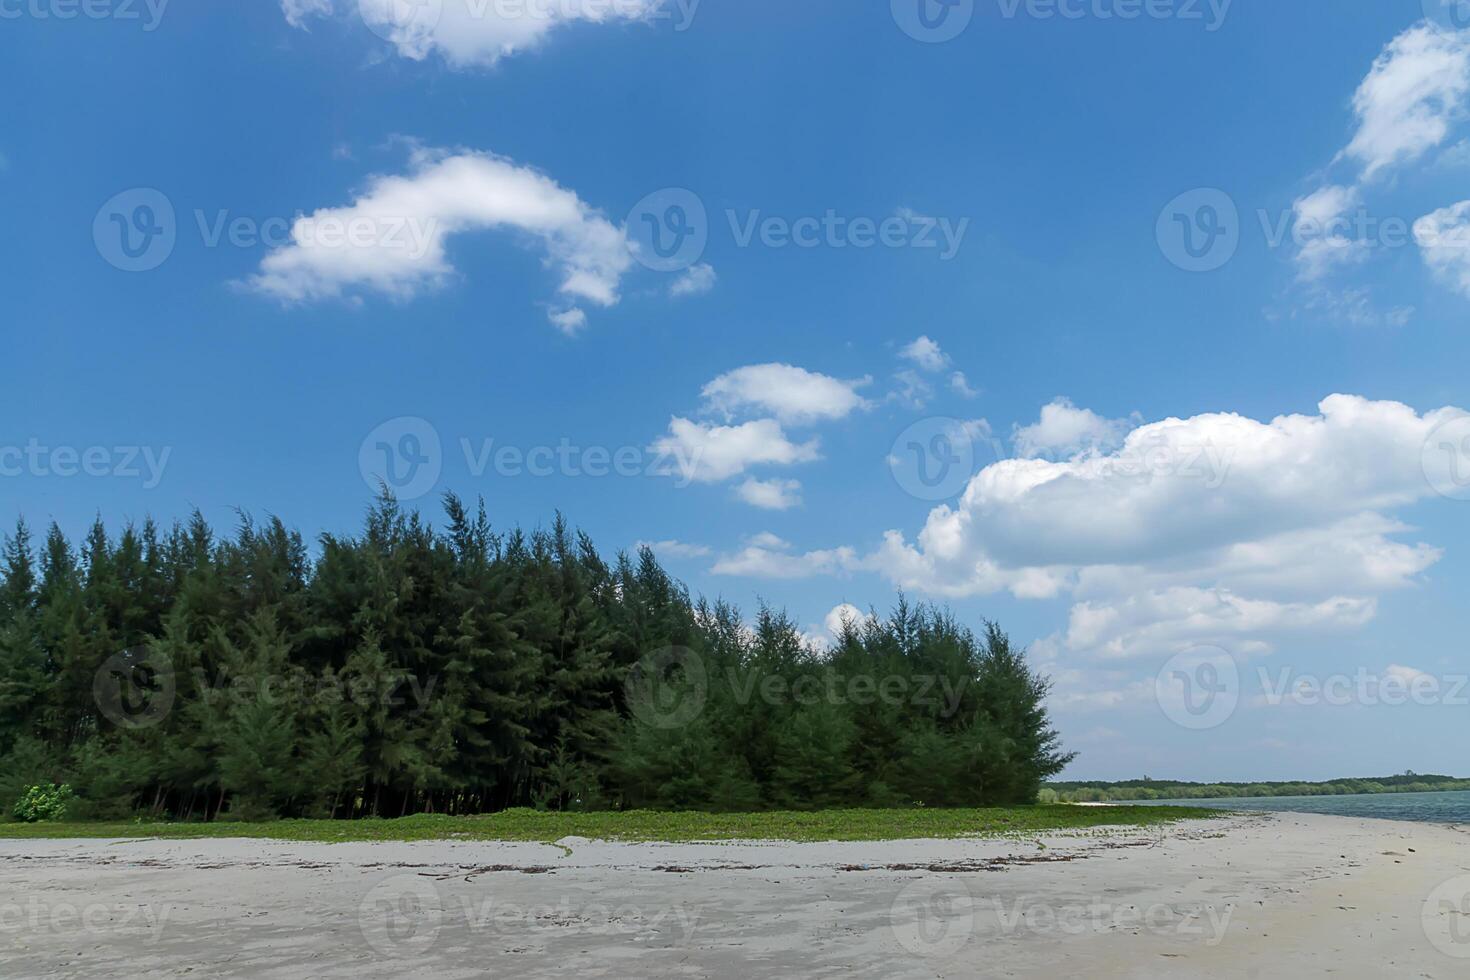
column 960, row 385
column 792, row 394
column 1212, row 529
column 1186, row 493
column 470, row 33
column 926, row 354
column 843, row 613
column 695, row 281
column 706, row 453
column 770, row 494
column 392, row 239
column 767, row 556
column 1163, row 621
column 1410, row 99
column 1444, row 241
column 1066, row 430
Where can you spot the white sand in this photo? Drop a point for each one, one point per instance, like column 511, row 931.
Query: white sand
column 1259, row 896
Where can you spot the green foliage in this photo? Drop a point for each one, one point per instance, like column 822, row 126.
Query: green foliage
column 409, row 670
column 41, row 803
column 545, row 826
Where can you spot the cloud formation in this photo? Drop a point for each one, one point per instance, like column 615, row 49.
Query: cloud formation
column 706, row 453
column 392, row 239
column 792, row 394
column 470, row 33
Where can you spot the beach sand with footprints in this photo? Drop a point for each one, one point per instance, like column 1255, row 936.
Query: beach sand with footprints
column 1258, row 896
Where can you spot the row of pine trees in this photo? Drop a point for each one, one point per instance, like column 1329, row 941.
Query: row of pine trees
column 184, row 674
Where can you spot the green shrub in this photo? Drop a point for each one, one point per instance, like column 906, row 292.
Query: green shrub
column 42, row 803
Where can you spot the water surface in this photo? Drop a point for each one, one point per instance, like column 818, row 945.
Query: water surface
column 1422, row 807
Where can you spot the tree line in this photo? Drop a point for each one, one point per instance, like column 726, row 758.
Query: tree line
column 184, row 674
column 1166, row 789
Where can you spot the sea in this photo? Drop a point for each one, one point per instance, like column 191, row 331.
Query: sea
column 1421, row 807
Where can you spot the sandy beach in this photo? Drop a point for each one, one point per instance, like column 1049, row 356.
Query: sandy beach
column 1259, row 896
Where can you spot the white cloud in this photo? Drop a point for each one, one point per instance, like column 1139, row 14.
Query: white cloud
column 1444, row 241
column 1321, row 218
column 1405, row 676
column 695, row 281
column 913, row 390
column 926, row 354
column 1409, row 103
column 792, row 394
column 1410, row 99
column 961, row 385
column 770, row 494
column 767, row 556
column 1066, row 430
column 704, row 453
column 569, row 321
column 392, row 239
column 297, row 11
column 1325, row 205
column 1356, row 555
column 674, row 549
column 843, row 613
column 1181, row 494
column 471, row 33
column 1168, row 620
column 1211, row 529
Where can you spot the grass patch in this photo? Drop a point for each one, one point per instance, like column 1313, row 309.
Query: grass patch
column 644, row 825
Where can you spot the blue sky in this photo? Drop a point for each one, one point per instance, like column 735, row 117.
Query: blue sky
column 492, row 179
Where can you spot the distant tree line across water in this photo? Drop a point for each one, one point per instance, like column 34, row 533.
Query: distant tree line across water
column 1163, row 789
column 177, row 673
